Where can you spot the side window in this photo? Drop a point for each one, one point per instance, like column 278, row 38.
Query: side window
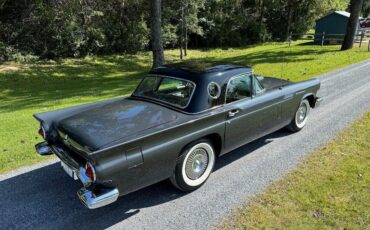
column 239, row 88
column 257, row 86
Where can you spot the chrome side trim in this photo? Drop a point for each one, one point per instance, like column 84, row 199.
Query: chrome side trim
column 93, row 200
column 300, row 92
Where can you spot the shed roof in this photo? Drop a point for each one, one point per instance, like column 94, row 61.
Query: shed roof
column 342, row 13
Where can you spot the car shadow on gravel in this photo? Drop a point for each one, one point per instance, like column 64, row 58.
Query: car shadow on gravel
column 46, row 197
column 248, row 148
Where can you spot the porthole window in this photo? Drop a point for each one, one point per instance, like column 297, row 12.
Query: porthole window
column 214, row 90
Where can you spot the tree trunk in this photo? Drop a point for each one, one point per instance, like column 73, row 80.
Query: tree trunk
column 262, row 7
column 181, row 51
column 181, row 45
column 186, row 42
column 156, row 35
column 355, row 9
column 182, row 32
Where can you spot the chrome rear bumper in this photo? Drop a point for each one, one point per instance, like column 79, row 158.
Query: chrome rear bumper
column 96, row 200
column 90, row 198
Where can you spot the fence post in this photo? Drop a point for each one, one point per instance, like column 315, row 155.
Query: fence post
column 368, row 46
column 361, row 38
column 322, row 38
column 290, row 38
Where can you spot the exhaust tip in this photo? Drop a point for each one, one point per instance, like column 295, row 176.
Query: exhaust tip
column 43, row 149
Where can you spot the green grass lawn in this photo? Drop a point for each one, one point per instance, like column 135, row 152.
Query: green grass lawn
column 32, row 88
column 329, row 190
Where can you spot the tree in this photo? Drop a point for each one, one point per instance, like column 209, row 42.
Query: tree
column 71, row 28
column 355, row 7
column 190, row 19
column 181, row 23
column 366, row 8
column 156, row 35
column 261, row 12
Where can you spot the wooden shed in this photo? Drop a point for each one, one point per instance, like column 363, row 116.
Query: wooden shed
column 334, row 26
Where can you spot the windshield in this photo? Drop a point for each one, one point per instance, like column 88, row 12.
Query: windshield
column 165, row 89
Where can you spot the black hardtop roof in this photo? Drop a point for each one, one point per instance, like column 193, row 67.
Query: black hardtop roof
column 200, row 71
column 201, row 74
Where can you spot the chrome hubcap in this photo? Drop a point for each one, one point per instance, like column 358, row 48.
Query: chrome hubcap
column 301, row 114
column 196, row 164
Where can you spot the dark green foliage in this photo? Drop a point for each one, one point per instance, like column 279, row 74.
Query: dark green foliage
column 366, row 8
column 172, row 17
column 231, row 23
column 9, row 53
column 74, row 28
column 297, row 16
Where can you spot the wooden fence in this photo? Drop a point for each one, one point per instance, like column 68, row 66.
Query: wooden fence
column 323, row 38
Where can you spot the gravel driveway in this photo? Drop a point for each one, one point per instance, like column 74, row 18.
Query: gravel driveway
column 44, row 197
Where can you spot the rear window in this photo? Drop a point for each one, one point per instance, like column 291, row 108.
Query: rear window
column 165, row 89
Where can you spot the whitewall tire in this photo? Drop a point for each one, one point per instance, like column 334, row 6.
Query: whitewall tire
column 194, row 166
column 300, row 117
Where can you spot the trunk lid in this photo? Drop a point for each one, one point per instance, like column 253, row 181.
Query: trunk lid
column 103, row 124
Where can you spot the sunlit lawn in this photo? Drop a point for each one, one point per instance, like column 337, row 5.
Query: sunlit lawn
column 329, row 190
column 26, row 89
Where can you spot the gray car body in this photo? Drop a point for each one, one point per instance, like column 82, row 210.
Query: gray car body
column 134, row 142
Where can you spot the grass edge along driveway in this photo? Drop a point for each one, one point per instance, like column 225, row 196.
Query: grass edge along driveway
column 330, row 189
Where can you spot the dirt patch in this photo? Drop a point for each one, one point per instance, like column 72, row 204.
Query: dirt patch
column 12, row 67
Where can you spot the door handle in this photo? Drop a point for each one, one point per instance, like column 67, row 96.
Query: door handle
column 233, row 112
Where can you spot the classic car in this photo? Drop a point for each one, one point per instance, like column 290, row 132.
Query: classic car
column 365, row 23
column 174, row 125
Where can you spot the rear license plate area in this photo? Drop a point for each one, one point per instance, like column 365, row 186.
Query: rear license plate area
column 70, row 172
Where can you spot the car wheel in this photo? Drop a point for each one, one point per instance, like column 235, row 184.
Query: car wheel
column 300, row 117
column 194, row 166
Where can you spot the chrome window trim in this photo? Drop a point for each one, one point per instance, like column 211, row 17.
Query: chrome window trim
column 164, row 102
column 263, row 89
column 228, row 83
column 218, row 87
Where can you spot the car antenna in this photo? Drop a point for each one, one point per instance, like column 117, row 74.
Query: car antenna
column 283, row 58
column 282, row 65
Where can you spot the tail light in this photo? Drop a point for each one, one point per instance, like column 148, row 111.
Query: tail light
column 42, row 132
column 90, row 171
